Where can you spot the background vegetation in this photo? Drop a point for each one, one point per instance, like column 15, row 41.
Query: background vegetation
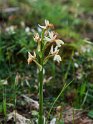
column 73, row 20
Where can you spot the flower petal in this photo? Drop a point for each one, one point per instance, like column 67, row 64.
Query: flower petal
column 51, row 50
column 29, row 55
column 47, row 39
column 57, row 58
column 51, row 34
column 43, row 27
column 59, row 42
column 46, row 22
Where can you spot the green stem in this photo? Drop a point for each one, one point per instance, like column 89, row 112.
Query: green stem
column 40, row 118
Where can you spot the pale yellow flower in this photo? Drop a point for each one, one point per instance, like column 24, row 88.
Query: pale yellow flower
column 31, row 57
column 38, row 40
column 59, row 42
column 47, row 25
column 57, row 58
column 53, row 38
column 37, row 37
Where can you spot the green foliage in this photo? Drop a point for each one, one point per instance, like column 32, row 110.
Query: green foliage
column 13, row 50
column 73, row 25
column 90, row 114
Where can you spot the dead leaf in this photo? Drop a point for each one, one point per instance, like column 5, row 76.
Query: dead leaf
column 19, row 119
column 34, row 104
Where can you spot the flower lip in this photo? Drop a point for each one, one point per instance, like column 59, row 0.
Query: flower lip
column 57, row 58
column 59, row 42
column 31, row 57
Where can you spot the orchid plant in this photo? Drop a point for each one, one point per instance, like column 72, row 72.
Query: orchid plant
column 46, row 39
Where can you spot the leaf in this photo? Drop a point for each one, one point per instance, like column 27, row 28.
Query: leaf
column 60, row 122
column 40, row 54
column 90, row 114
column 83, row 89
column 1, row 108
column 19, row 118
column 22, row 50
column 34, row 104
